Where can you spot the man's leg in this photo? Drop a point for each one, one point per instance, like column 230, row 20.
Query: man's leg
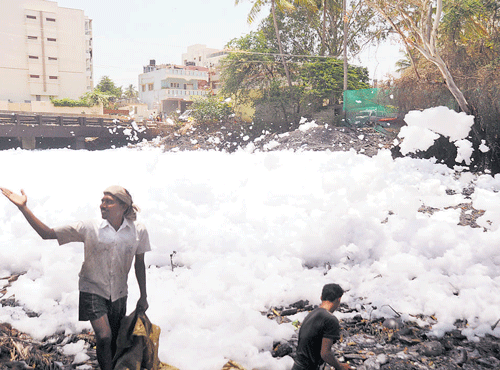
column 103, row 338
column 116, row 312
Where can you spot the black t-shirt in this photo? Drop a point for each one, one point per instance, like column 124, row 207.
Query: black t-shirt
column 317, row 325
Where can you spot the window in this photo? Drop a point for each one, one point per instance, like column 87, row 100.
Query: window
column 38, row 97
column 52, row 77
column 51, row 39
column 143, row 88
column 32, row 38
column 34, row 76
column 32, row 57
column 150, row 87
column 50, row 19
column 31, row 16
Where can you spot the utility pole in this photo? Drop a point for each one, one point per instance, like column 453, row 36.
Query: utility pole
column 344, row 12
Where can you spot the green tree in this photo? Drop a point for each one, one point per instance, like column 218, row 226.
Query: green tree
column 404, row 63
column 131, row 92
column 211, row 109
column 252, row 67
column 302, row 30
column 253, row 76
column 96, row 97
column 282, row 5
column 107, row 86
column 324, row 79
column 472, row 28
column 298, row 33
column 362, row 23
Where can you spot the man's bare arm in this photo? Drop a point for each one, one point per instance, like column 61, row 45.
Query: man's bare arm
column 21, row 202
column 328, row 356
column 140, row 274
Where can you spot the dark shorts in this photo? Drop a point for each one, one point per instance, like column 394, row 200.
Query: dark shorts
column 93, row 306
column 297, row 366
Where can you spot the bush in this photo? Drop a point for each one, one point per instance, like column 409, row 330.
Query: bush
column 211, row 109
column 66, row 102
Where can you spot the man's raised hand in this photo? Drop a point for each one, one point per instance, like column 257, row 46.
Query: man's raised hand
column 18, row 200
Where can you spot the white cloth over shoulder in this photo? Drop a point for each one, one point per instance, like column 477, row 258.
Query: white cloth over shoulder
column 108, row 254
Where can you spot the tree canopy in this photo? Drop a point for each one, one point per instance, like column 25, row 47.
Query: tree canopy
column 107, row 86
column 254, row 75
column 131, row 92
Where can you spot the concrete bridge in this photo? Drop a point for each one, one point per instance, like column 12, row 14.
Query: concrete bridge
column 28, row 127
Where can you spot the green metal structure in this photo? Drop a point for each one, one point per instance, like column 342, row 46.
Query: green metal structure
column 368, row 105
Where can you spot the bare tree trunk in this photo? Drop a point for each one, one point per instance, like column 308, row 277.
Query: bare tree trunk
column 423, row 38
column 323, row 36
column 273, row 9
column 429, row 34
column 450, row 82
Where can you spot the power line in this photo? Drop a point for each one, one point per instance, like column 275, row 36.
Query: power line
column 280, row 55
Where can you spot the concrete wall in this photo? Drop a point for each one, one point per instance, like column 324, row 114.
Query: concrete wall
column 138, row 112
column 47, row 107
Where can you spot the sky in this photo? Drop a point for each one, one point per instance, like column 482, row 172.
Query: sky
column 130, row 33
column 253, row 230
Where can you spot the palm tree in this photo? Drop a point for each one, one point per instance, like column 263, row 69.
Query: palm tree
column 131, row 92
column 282, row 5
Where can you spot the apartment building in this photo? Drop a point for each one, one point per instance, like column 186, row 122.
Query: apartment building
column 168, row 87
column 45, row 50
column 213, row 60
column 198, row 55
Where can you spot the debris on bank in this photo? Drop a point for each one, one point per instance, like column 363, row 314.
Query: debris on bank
column 394, row 344
column 367, row 344
column 230, row 137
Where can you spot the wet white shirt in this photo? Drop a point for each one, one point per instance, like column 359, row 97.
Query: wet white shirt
column 108, row 254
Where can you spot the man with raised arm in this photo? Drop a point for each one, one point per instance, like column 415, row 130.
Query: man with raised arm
column 110, row 247
column 319, row 331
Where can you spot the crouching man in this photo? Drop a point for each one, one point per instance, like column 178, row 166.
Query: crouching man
column 319, row 331
column 110, row 247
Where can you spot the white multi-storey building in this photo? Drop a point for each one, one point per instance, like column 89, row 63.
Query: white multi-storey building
column 168, row 87
column 198, row 55
column 45, row 51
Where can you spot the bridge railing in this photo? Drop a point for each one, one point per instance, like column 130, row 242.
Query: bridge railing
column 51, row 119
column 58, row 120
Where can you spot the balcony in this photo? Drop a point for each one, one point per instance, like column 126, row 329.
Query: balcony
column 181, row 93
